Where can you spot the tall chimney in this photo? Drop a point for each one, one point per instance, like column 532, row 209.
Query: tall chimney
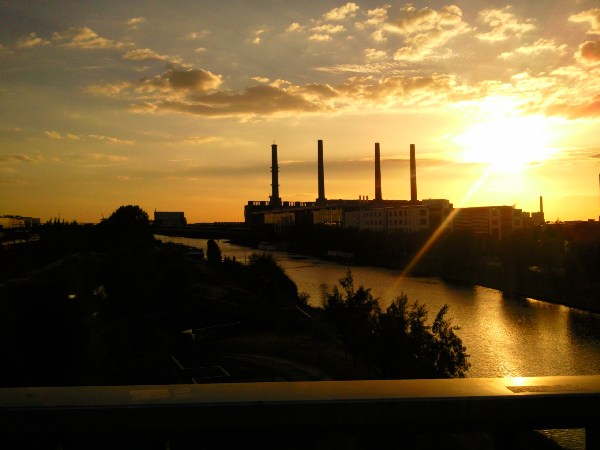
column 413, row 175
column 377, row 173
column 321, row 172
column 541, row 204
column 274, row 200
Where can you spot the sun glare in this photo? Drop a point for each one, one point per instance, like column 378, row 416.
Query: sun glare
column 507, row 144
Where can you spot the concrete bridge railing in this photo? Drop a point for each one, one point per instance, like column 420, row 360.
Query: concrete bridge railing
column 302, row 413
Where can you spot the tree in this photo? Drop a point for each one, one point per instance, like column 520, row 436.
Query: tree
column 127, row 224
column 355, row 313
column 213, row 252
column 399, row 339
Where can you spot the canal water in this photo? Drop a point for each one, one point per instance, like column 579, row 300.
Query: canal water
column 504, row 336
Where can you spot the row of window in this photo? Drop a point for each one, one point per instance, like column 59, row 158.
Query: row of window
column 395, row 223
column 395, row 213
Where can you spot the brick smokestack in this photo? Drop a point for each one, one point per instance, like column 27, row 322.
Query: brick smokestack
column 274, row 200
column 413, row 175
column 377, row 173
column 321, row 172
column 541, row 204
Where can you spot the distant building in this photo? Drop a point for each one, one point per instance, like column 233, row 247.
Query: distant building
column 169, row 219
column 537, row 218
column 8, row 222
column 495, row 221
column 408, row 218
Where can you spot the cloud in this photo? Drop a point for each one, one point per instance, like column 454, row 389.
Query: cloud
column 320, row 37
column 75, row 137
column 171, row 86
column 31, row 40
column 369, row 68
column 589, row 52
column 107, row 157
column 426, row 29
column 328, row 28
column 85, row 38
column 257, row 39
column 392, row 91
column 194, row 35
column 255, row 100
column 342, row 12
column 576, row 110
column 110, row 139
column 294, row 28
column 192, row 79
column 197, row 140
column 109, row 89
column 426, row 19
column 538, row 47
column 372, row 54
column 135, row 22
column 59, row 136
column 198, row 92
column 20, row 158
column 279, row 83
column 145, row 54
column 504, row 24
column 376, row 18
column 591, row 16
column 570, row 92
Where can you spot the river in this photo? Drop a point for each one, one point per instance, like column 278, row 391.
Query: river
column 504, row 336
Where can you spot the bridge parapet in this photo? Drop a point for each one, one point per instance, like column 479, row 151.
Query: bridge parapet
column 164, row 414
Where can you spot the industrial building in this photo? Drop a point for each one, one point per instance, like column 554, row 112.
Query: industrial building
column 380, row 214
column 495, row 221
column 169, row 219
column 376, row 214
column 18, row 222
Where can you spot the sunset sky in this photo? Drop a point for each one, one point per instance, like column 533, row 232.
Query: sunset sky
column 173, row 106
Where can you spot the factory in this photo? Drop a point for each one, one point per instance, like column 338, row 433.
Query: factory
column 377, row 213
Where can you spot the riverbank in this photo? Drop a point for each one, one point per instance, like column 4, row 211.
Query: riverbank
column 545, row 284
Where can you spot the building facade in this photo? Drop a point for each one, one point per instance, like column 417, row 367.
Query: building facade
column 169, row 219
column 495, row 221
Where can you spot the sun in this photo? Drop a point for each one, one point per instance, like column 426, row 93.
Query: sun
column 506, row 142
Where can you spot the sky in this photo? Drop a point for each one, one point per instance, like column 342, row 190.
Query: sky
column 173, row 106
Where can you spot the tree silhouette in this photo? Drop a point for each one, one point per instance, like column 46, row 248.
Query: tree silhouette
column 213, row 252
column 398, row 340
column 127, row 224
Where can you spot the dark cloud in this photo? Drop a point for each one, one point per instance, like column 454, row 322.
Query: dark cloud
column 193, row 79
column 261, row 100
column 590, row 51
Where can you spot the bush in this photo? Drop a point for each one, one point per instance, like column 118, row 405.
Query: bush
column 398, row 340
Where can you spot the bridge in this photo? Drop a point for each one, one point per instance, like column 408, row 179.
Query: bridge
column 216, row 230
column 307, row 415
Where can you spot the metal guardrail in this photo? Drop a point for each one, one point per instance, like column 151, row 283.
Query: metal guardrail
column 168, row 416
